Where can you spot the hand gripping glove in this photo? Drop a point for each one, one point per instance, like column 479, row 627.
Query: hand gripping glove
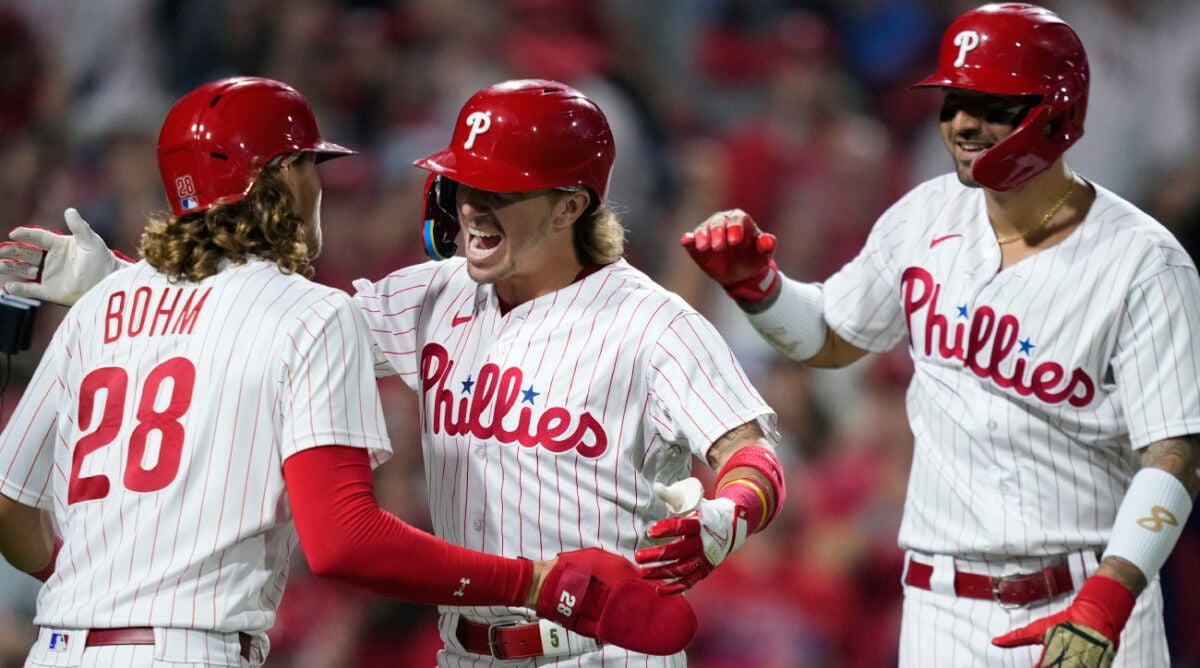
column 56, row 267
column 1086, row 633
column 706, row 531
column 731, row 249
column 602, row 595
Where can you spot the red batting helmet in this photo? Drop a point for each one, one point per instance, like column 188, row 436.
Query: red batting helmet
column 216, row 140
column 1014, row 49
column 528, row 135
column 517, row 136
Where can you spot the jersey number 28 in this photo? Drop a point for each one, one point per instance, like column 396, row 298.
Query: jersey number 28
column 114, row 381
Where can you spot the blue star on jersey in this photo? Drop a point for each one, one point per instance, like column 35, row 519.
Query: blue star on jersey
column 528, row 395
column 1026, row 345
column 962, row 311
column 467, row 385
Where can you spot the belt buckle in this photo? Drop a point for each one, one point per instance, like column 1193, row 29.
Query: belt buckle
column 996, row 581
column 492, row 629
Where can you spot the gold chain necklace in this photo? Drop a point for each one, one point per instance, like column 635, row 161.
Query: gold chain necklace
column 1045, row 219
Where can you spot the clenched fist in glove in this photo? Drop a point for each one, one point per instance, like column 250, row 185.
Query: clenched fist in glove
column 706, row 531
column 1084, row 635
column 602, row 595
column 731, row 249
column 56, row 267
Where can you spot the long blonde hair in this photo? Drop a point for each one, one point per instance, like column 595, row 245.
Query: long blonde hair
column 264, row 224
column 599, row 235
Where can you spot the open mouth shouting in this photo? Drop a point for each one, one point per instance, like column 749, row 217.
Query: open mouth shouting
column 481, row 244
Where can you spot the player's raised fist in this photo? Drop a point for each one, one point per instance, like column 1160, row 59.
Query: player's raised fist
column 731, row 249
column 602, row 595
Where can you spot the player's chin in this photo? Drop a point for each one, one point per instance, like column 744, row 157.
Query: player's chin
column 487, row 269
column 965, row 174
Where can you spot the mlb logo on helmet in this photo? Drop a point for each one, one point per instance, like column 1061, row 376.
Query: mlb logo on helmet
column 185, row 190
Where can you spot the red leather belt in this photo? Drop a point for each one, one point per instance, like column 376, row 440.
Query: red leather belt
column 520, row 641
column 1013, row 590
column 144, row 635
column 506, row 641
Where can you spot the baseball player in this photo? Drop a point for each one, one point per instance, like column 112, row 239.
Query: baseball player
column 179, row 448
column 1053, row 331
column 563, row 394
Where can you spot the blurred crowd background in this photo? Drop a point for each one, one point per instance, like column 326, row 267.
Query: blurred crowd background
column 798, row 112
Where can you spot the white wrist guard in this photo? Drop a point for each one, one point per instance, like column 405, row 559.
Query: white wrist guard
column 794, row 323
column 1149, row 521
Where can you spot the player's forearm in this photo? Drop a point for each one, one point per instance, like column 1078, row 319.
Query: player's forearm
column 1153, row 512
column 26, row 536
column 749, row 473
column 1178, row 456
column 346, row 535
column 792, row 320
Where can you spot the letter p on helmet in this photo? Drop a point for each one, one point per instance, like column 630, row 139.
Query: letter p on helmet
column 966, row 41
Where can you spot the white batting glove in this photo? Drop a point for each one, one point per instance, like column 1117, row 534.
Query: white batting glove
column 55, row 267
column 706, row 531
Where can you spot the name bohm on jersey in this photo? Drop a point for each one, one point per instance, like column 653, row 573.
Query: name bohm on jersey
column 142, row 313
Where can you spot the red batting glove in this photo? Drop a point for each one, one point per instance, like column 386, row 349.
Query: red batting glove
column 706, row 531
column 731, row 249
column 1102, row 605
column 602, row 595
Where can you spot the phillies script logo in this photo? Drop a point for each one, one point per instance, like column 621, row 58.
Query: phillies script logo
column 500, row 391
column 1048, row 381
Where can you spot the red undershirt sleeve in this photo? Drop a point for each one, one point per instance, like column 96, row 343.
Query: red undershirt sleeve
column 345, row 535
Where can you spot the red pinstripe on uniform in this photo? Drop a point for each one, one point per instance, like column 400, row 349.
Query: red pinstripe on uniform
column 610, row 346
column 281, row 364
column 1025, row 432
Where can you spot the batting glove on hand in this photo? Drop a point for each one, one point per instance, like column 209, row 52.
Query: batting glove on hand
column 1084, row 635
column 602, row 595
column 706, row 531
column 731, row 249
column 56, row 267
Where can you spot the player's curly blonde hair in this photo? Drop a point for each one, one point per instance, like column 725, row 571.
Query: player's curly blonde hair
column 263, row 224
column 599, row 235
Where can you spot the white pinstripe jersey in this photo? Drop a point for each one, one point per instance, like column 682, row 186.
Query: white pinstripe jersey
column 1033, row 386
column 155, row 428
column 544, row 429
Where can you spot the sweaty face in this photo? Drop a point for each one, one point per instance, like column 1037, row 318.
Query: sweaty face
column 972, row 123
column 511, row 236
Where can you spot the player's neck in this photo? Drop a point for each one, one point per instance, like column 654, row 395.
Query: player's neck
column 1039, row 214
column 520, row 288
column 1036, row 208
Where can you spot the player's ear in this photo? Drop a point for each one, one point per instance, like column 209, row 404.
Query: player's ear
column 572, row 205
column 285, row 161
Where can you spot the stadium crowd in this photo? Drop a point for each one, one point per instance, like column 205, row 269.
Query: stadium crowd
column 798, row 112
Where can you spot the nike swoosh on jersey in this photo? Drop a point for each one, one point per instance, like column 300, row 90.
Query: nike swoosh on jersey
column 937, row 240
column 460, row 319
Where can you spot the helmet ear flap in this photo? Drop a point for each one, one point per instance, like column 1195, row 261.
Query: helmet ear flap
column 1021, row 155
column 440, row 222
